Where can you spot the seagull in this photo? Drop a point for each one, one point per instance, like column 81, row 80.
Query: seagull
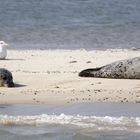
column 3, row 50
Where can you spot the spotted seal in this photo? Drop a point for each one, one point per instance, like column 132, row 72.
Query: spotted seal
column 123, row 69
column 6, row 78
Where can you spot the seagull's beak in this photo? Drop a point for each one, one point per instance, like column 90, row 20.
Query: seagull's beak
column 6, row 45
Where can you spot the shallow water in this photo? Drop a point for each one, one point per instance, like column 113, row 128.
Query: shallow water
column 90, row 121
column 70, row 24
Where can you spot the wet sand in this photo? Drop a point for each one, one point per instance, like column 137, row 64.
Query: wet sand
column 51, row 77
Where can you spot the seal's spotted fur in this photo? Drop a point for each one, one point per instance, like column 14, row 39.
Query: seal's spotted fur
column 6, row 78
column 124, row 69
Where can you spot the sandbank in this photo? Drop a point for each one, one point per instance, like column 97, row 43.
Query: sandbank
column 51, row 77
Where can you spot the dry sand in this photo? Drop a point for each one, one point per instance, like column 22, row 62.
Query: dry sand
column 51, row 76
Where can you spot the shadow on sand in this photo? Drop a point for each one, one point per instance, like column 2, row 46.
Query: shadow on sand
column 19, row 85
column 13, row 59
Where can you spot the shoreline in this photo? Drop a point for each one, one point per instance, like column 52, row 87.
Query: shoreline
column 51, row 77
column 73, row 49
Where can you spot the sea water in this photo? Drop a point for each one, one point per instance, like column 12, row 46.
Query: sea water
column 70, row 24
column 81, row 121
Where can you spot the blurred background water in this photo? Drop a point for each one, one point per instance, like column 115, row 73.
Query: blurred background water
column 70, row 24
column 81, row 121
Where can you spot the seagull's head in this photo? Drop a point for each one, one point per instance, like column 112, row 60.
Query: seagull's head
column 3, row 44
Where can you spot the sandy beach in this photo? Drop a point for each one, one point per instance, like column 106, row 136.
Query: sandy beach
column 51, row 77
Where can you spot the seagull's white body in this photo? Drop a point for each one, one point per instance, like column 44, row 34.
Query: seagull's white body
column 3, row 50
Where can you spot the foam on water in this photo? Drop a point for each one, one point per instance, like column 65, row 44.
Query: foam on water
column 99, row 123
column 104, row 121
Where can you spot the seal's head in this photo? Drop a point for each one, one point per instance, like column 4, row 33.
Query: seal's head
column 6, row 78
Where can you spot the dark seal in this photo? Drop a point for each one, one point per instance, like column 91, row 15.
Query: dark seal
column 124, row 69
column 6, row 78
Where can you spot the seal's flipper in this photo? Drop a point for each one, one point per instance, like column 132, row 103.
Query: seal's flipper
column 89, row 72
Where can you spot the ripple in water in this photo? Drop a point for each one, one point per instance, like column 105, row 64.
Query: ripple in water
column 104, row 121
column 70, row 24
